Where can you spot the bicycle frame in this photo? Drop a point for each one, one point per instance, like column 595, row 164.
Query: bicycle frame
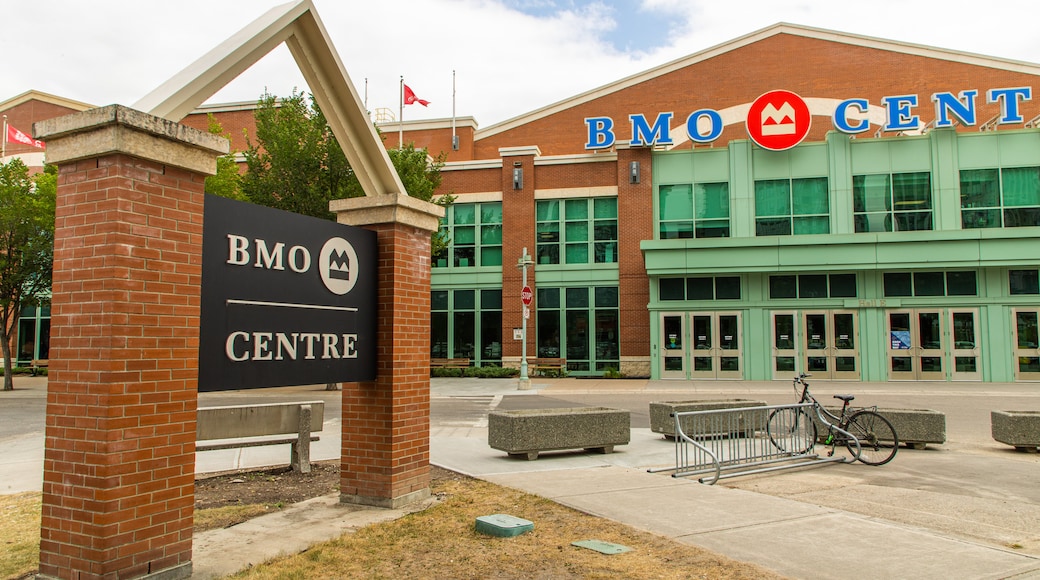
column 840, row 420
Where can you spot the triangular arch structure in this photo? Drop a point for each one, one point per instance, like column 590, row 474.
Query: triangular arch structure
column 298, row 26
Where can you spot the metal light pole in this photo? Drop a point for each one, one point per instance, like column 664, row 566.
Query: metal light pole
column 525, row 382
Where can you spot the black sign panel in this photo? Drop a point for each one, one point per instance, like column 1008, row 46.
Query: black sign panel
column 286, row 299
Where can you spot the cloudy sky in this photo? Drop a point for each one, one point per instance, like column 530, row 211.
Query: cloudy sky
column 509, row 56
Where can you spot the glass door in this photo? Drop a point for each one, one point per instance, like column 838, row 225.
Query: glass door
column 703, row 339
column 915, row 345
column 717, row 346
column 830, row 344
column 845, row 349
column 784, row 345
column 673, row 355
column 1027, row 344
column 728, row 352
column 965, row 345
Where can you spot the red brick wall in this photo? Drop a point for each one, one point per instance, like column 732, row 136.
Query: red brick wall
column 635, row 223
column 118, row 487
column 470, row 181
column 518, row 231
column 386, row 424
column 577, row 175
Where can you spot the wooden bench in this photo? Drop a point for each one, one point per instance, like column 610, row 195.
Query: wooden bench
column 541, row 365
column 449, row 363
column 235, row 426
column 38, row 365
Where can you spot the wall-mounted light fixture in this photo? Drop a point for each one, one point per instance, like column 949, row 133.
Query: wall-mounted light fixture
column 633, row 172
column 518, row 178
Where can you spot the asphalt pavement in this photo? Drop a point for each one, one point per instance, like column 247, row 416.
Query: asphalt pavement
column 969, row 508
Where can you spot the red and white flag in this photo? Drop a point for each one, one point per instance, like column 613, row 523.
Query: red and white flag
column 16, row 136
column 409, row 97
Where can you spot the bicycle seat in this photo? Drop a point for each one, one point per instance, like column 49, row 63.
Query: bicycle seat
column 845, row 398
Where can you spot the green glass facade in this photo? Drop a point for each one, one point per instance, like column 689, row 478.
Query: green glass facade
column 903, row 258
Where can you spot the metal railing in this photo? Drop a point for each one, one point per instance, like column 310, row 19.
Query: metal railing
column 723, row 443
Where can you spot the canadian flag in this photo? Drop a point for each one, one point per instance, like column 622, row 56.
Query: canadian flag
column 16, row 136
column 409, row 97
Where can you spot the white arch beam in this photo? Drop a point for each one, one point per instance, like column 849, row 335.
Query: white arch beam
column 298, row 26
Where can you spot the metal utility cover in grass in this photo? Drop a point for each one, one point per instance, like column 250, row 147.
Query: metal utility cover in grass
column 602, row 547
column 503, row 526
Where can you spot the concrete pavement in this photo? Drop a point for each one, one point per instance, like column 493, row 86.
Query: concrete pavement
column 966, row 509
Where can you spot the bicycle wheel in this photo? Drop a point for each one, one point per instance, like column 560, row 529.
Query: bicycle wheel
column 877, row 438
column 791, row 431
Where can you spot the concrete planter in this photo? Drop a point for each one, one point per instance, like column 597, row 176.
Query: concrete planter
column 661, row 420
column 527, row 432
column 1020, row 429
column 915, row 428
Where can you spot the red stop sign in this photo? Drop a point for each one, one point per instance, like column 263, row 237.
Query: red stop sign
column 527, row 295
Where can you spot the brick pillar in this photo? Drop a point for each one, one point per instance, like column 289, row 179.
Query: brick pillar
column 385, row 453
column 518, row 231
column 635, row 224
column 119, row 463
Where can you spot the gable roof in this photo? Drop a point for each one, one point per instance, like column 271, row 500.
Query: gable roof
column 748, row 39
column 33, row 95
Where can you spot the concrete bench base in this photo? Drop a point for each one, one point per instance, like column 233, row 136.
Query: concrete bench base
column 1020, row 429
column 662, row 421
column 915, row 428
column 526, row 433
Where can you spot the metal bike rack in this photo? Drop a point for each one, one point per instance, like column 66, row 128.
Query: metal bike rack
column 732, row 442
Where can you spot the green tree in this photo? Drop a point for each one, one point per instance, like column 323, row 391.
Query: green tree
column 227, row 181
column 26, row 247
column 297, row 165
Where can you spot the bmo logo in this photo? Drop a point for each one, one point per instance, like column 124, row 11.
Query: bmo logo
column 338, row 266
column 778, row 120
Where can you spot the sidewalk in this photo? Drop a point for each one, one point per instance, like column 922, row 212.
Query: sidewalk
column 794, row 538
column 812, row 537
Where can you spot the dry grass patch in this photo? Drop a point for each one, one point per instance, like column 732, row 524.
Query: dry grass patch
column 19, row 534
column 441, row 542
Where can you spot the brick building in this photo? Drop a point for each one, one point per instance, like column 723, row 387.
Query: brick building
column 670, row 240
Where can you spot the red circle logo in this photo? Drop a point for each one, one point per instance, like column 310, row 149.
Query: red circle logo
column 778, row 120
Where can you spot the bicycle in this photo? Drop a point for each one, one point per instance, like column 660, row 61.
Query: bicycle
column 868, row 436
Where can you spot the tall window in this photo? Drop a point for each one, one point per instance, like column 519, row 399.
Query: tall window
column 474, row 231
column 467, row 324
column 581, row 325
column 792, row 206
column 577, row 231
column 900, row 202
column 1009, row 197
column 700, row 210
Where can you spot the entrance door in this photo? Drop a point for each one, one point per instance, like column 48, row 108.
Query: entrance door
column 716, row 345
column 915, row 345
column 1027, row 344
column 829, row 344
column 784, row 345
column 965, row 345
column 673, row 355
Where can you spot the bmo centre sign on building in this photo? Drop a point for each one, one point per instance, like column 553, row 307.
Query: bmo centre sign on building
column 286, row 299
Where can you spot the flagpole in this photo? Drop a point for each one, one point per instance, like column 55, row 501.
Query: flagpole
column 3, row 140
column 400, row 115
column 366, row 96
column 454, row 142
